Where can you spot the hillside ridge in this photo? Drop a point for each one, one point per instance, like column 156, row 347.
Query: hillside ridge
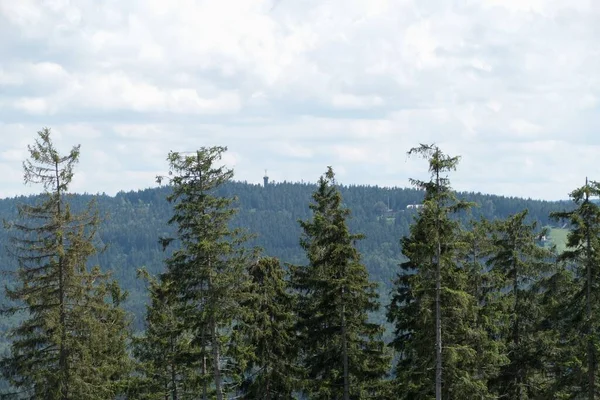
column 134, row 221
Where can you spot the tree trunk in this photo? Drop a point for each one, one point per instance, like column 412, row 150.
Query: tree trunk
column 216, row 357
column 268, row 395
column 345, row 351
column 590, row 345
column 62, row 361
column 204, row 368
column 516, row 333
column 268, row 368
column 438, row 329
column 438, row 311
column 214, row 337
column 166, row 385
column 173, row 369
column 174, row 381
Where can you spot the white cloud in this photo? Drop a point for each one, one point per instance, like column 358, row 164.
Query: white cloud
column 48, row 71
column 525, row 128
column 25, row 13
column 294, row 86
column 9, row 78
column 117, row 91
column 421, row 45
column 33, row 105
column 293, row 151
column 79, row 131
column 353, row 154
column 13, row 155
column 350, row 101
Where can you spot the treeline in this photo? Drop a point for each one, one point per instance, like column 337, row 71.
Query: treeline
column 132, row 222
column 479, row 308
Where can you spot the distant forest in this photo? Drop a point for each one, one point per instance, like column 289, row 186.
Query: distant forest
column 208, row 288
column 135, row 220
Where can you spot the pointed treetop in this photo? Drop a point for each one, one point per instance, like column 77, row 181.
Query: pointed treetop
column 46, row 164
column 438, row 161
column 330, row 174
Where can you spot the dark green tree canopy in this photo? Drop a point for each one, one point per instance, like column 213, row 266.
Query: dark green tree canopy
column 70, row 343
column 342, row 351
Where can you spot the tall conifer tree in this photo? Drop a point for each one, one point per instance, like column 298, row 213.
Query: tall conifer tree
column 580, row 307
column 432, row 308
column 168, row 362
column 490, row 354
column 71, row 342
column 518, row 265
column 208, row 266
column 268, row 335
column 342, row 351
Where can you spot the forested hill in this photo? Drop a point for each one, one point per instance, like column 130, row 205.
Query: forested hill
column 135, row 220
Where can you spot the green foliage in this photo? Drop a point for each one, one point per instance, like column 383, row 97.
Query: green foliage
column 479, row 313
column 433, row 307
column 341, row 351
column 168, row 362
column 70, row 342
column 476, row 247
column 208, row 267
column 518, row 265
column 136, row 219
column 577, row 369
column 266, row 334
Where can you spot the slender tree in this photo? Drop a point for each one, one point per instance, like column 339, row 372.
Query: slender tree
column 518, row 265
column 168, row 362
column 485, row 328
column 267, row 333
column 581, row 307
column 432, row 307
column 71, row 341
column 342, row 351
column 209, row 264
column 559, row 336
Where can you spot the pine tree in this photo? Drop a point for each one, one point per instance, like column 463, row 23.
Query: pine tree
column 518, row 265
column 578, row 373
column 71, row 341
column 432, row 308
column 490, row 356
column 342, row 352
column 560, row 336
column 168, row 362
column 208, row 266
column 268, row 333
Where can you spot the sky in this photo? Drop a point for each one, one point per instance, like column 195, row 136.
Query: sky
column 292, row 86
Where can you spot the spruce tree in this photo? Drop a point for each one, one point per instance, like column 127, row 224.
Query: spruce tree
column 560, row 335
column 341, row 351
column 268, row 334
column 432, row 307
column 71, row 341
column 208, row 266
column 168, row 362
column 578, row 372
column 475, row 248
column 518, row 265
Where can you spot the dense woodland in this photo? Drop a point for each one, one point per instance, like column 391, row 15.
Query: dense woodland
column 208, row 288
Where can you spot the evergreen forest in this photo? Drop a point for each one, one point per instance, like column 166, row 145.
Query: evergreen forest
column 204, row 287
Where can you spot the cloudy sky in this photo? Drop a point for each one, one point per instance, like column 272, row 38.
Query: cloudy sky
column 295, row 85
